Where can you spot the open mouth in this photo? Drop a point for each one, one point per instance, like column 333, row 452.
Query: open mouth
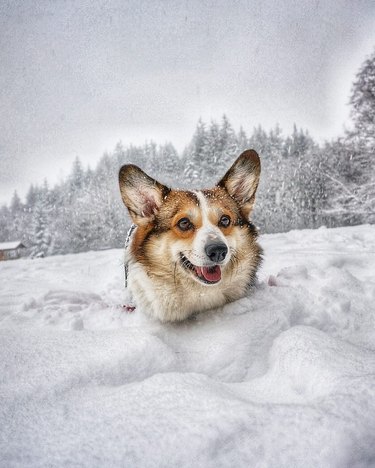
column 205, row 274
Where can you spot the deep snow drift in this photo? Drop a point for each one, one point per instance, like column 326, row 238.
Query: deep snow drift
column 283, row 378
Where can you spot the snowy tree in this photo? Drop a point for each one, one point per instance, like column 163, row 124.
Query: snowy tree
column 350, row 173
column 15, row 204
column 41, row 239
column 272, row 211
column 195, row 154
column 153, row 163
column 76, row 178
column 242, row 140
column 363, row 102
column 31, row 198
column 134, row 155
column 297, row 144
column 211, row 154
column 228, row 145
column 259, row 140
column 361, row 139
column 171, row 173
column 308, row 190
column 17, row 215
column 301, row 185
column 351, row 189
column 119, row 154
column 275, row 142
column 5, row 224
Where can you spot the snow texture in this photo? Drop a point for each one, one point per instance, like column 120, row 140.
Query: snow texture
column 283, row 378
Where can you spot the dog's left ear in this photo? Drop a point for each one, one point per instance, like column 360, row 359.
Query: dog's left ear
column 142, row 195
column 241, row 181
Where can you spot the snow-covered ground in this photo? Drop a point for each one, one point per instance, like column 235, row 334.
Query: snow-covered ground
column 283, row 378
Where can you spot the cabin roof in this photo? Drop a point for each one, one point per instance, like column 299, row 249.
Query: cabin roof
column 11, row 245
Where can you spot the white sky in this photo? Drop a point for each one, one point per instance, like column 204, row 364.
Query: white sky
column 78, row 76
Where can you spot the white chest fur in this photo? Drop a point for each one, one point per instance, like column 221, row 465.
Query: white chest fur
column 177, row 297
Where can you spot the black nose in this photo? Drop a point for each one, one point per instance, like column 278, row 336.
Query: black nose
column 216, row 252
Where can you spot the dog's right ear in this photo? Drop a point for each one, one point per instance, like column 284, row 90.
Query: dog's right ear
column 142, row 195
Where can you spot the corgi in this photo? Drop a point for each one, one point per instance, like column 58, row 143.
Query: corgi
column 190, row 251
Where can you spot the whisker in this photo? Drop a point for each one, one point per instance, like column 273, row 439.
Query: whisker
column 174, row 275
column 193, row 254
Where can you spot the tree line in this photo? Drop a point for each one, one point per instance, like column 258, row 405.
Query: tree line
column 303, row 184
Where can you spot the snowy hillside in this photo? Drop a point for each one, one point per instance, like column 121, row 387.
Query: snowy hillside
column 284, row 378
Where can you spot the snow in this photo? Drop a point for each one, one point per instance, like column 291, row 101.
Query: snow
column 10, row 245
column 282, row 378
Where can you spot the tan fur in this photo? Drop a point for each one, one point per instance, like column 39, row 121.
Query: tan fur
column 160, row 284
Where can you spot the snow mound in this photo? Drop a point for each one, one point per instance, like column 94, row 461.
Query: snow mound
column 281, row 378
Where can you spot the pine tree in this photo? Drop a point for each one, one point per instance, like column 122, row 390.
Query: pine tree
column 119, row 153
column 31, row 198
column 351, row 175
column 153, row 163
column 76, row 178
column 211, row 154
column 16, row 210
column 275, row 142
column 195, row 154
column 361, row 139
column 259, row 141
column 362, row 101
column 242, row 140
column 15, row 204
column 5, row 224
column 41, row 240
column 171, row 173
column 299, row 143
column 228, row 145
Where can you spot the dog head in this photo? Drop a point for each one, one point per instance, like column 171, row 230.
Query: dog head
column 201, row 235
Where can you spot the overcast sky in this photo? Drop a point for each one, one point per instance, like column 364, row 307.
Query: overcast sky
column 78, row 76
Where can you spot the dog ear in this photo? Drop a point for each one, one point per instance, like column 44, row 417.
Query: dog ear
column 142, row 195
column 241, row 181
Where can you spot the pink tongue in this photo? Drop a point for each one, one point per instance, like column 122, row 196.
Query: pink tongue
column 212, row 274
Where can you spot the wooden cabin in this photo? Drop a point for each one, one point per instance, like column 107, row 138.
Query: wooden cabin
column 11, row 250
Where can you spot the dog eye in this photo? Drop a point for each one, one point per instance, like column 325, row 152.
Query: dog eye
column 184, row 224
column 224, row 221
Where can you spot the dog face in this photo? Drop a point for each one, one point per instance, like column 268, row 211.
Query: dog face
column 194, row 237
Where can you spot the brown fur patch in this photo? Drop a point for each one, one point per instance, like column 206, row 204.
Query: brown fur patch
column 221, row 203
column 176, row 205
